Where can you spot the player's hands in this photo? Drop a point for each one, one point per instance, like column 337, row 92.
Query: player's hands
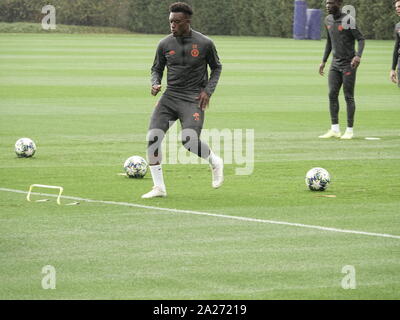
column 155, row 89
column 321, row 68
column 204, row 100
column 355, row 62
column 393, row 76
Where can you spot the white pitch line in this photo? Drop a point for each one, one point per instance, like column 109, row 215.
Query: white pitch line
column 128, row 204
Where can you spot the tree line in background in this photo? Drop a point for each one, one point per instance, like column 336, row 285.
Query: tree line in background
column 375, row 18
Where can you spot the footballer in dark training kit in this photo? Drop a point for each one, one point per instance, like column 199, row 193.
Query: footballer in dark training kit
column 187, row 54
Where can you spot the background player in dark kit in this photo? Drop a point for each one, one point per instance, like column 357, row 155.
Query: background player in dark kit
column 396, row 51
column 186, row 53
column 341, row 41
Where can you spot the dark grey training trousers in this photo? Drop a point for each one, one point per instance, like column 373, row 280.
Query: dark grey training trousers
column 342, row 76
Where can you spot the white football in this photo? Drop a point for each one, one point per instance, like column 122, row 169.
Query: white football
column 135, row 167
column 318, row 179
column 25, row 148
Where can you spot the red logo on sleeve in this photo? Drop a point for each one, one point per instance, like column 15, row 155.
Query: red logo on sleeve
column 340, row 28
column 172, row 52
column 195, row 52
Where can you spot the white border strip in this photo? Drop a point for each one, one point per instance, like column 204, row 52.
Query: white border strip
column 127, row 204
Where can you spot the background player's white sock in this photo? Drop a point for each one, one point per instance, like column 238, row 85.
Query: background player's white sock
column 157, row 175
column 212, row 159
column 349, row 130
column 335, row 128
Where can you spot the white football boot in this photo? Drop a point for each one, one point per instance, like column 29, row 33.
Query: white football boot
column 157, row 192
column 218, row 173
column 330, row 134
column 348, row 135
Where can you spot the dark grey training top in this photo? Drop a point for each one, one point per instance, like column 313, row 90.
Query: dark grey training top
column 341, row 41
column 186, row 59
column 396, row 51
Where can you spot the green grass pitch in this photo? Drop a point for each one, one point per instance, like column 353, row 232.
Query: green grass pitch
column 85, row 101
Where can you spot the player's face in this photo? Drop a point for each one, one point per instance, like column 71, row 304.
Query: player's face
column 397, row 6
column 332, row 6
column 179, row 23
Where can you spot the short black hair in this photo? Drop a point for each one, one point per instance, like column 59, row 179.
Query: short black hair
column 339, row 2
column 181, row 7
